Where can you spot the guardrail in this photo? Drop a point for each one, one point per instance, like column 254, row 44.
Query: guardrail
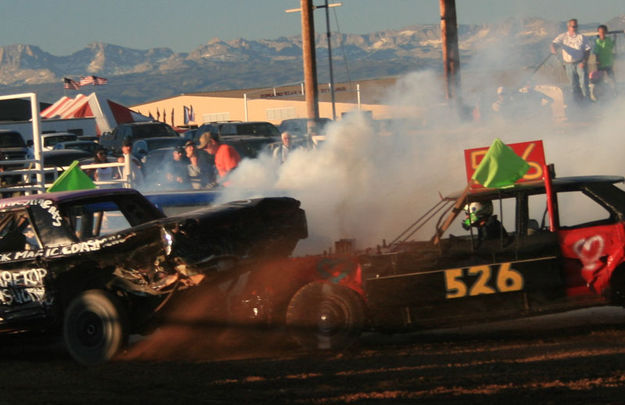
column 28, row 183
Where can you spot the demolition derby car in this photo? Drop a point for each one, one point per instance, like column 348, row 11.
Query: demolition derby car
column 101, row 264
column 557, row 244
column 97, row 264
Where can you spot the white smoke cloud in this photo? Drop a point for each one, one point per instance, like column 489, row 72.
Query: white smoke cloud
column 369, row 185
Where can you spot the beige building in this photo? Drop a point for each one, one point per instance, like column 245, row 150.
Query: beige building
column 270, row 104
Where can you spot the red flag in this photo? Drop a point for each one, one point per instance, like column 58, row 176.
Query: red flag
column 70, row 84
column 158, row 115
column 164, row 116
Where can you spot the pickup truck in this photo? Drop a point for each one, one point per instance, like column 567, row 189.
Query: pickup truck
column 134, row 131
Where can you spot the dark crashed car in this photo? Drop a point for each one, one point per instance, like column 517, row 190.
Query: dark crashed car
column 96, row 264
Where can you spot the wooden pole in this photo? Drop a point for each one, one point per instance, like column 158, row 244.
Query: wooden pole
column 310, row 63
column 449, row 43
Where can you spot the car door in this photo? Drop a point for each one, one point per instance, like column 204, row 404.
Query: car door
column 591, row 239
column 465, row 280
column 26, row 293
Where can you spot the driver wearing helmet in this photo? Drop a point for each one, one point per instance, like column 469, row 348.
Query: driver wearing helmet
column 480, row 215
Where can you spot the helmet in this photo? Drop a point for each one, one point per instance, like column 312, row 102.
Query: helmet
column 477, row 211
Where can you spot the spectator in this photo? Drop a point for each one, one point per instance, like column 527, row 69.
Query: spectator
column 30, row 149
column 226, row 157
column 103, row 173
column 177, row 173
column 575, row 52
column 200, row 171
column 604, row 51
column 136, row 170
column 282, row 152
column 604, row 54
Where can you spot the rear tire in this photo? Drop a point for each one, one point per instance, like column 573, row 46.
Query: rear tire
column 325, row 316
column 95, row 327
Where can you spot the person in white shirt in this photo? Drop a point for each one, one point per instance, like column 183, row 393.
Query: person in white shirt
column 281, row 153
column 136, row 171
column 575, row 52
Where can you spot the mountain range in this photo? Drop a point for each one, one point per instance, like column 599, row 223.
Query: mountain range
column 136, row 76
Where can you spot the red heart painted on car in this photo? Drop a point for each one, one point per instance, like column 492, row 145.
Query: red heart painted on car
column 589, row 251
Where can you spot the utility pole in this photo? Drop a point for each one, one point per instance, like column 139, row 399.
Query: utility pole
column 310, row 63
column 451, row 55
column 329, row 34
column 309, row 56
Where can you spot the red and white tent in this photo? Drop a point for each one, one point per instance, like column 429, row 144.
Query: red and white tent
column 108, row 114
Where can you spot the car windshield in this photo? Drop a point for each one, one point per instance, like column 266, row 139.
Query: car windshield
column 53, row 140
column 164, row 143
column 258, row 129
column 151, row 131
column 11, row 140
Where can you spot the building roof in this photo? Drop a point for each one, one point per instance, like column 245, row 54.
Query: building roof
column 372, row 91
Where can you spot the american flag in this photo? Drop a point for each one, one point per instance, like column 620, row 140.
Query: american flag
column 87, row 80
column 100, row 80
column 70, row 84
column 95, row 80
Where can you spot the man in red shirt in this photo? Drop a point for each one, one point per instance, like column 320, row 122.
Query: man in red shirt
column 226, row 157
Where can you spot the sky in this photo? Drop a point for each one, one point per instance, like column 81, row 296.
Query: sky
column 62, row 27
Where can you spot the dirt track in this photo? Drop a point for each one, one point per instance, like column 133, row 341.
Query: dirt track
column 578, row 357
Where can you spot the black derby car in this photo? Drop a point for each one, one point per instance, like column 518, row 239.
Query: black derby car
column 96, row 264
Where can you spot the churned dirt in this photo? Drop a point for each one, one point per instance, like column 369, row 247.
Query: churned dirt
column 578, row 357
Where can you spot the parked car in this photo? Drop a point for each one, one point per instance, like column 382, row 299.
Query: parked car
column 62, row 158
column 135, row 131
column 95, row 265
column 142, row 147
column 298, row 127
column 87, row 146
column 50, row 139
column 12, row 147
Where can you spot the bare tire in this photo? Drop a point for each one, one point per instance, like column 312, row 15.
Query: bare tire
column 95, row 327
column 325, row 316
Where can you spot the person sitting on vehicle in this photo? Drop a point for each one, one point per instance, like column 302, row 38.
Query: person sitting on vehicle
column 480, row 216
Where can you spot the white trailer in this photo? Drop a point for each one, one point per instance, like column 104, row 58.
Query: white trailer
column 78, row 126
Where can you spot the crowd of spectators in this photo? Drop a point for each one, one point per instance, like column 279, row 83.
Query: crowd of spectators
column 193, row 166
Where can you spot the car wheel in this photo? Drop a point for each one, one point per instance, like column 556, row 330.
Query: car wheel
column 325, row 316
column 95, row 327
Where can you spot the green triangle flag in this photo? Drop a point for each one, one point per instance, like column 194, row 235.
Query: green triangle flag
column 500, row 167
column 72, row 179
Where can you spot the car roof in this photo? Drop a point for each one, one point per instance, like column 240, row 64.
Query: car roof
column 78, row 142
column 64, row 196
column 51, row 134
column 558, row 183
